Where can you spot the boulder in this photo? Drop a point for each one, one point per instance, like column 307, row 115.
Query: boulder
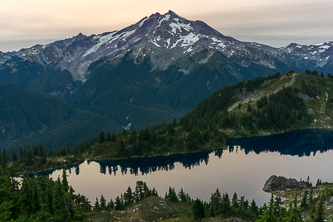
column 282, row 183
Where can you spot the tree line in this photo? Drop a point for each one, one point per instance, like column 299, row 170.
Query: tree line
column 45, row 199
column 40, row 199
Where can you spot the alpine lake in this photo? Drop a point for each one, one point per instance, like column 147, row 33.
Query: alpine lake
column 242, row 168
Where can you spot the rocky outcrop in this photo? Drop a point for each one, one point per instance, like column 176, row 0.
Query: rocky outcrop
column 282, row 183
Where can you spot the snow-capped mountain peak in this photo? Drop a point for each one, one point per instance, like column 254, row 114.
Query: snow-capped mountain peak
column 165, row 39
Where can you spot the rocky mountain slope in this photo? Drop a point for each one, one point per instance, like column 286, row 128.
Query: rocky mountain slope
column 152, row 71
column 165, row 39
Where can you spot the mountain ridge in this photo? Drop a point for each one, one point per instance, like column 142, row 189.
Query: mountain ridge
column 175, row 34
column 151, row 72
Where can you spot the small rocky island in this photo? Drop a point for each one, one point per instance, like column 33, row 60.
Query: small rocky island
column 281, row 183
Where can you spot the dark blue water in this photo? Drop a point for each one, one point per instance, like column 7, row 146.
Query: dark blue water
column 243, row 167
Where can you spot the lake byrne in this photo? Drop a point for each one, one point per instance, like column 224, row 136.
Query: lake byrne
column 243, row 168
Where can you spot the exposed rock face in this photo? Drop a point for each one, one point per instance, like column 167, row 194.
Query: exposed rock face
column 282, row 183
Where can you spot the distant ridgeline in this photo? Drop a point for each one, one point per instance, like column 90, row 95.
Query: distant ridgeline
column 262, row 106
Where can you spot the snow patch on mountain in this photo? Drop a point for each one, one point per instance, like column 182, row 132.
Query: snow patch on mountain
column 165, row 18
column 136, row 40
column 102, row 41
column 143, row 21
column 155, row 43
column 189, row 39
column 189, row 49
column 324, row 47
column 108, row 39
column 179, row 26
column 125, row 35
column 168, row 42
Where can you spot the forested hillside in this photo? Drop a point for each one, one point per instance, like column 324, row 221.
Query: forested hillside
column 267, row 105
column 44, row 119
column 260, row 106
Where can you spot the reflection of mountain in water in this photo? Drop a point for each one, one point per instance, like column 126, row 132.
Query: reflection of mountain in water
column 296, row 143
column 152, row 164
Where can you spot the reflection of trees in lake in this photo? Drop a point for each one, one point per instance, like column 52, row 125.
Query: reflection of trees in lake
column 296, row 143
column 77, row 169
column 152, row 164
column 146, row 165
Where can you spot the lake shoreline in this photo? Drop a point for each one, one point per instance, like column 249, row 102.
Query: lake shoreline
column 101, row 158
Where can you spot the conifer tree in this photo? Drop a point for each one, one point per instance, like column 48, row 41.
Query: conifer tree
column 254, row 208
column 29, row 158
column 64, row 180
column 215, row 203
column 111, row 205
column 26, row 196
column 5, row 159
column 198, row 209
column 36, row 196
column 172, row 195
column 320, row 211
column 103, row 202
column 108, row 136
column 225, row 203
column 313, row 211
column 113, row 137
column 304, row 198
column 49, row 196
column 97, row 206
column 128, row 196
column 59, row 197
column 182, row 196
column 5, row 210
column 6, row 196
column 235, row 200
column 118, row 204
column 269, row 213
column 121, row 147
column 293, row 212
column 101, row 137
column 15, row 158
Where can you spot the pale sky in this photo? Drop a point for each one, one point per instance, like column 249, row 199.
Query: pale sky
column 273, row 22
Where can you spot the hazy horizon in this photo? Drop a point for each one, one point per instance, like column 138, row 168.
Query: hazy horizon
column 275, row 23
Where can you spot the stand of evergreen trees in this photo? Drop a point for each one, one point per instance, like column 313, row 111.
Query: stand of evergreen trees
column 43, row 199
column 140, row 192
column 40, row 199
